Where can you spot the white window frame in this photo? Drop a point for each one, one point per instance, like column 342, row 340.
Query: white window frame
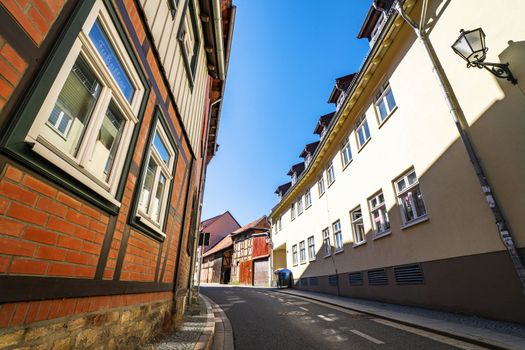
column 311, row 248
column 279, row 224
column 308, row 199
column 307, row 160
column 326, row 242
column 338, row 236
column 362, row 124
column 77, row 166
column 346, row 153
column 300, row 206
column 408, row 191
column 292, row 212
column 166, row 170
column 354, row 223
column 376, row 205
column 320, row 186
column 381, row 97
column 295, row 258
column 330, row 174
column 294, row 178
column 302, row 252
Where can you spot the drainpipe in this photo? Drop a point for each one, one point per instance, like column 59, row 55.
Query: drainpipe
column 459, row 120
column 217, row 20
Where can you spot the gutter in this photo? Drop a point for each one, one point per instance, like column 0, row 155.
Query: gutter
column 217, row 24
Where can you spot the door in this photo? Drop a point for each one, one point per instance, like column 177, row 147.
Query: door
column 261, row 272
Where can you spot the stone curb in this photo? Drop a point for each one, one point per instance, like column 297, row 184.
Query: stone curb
column 457, row 336
column 205, row 340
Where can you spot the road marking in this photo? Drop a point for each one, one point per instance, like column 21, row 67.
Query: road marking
column 366, row 336
column 325, row 318
column 440, row 338
column 303, row 308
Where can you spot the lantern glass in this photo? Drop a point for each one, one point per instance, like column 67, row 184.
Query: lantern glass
column 471, row 45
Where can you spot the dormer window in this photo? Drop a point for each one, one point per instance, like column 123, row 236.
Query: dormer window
column 323, row 133
column 340, row 100
column 294, row 178
column 307, row 159
column 377, row 29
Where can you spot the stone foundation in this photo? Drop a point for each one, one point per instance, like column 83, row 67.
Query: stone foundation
column 121, row 328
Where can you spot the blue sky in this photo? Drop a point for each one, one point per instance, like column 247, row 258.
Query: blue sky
column 285, row 57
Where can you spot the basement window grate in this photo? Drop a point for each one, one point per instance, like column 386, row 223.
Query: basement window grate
column 304, row 281
column 355, row 278
column 314, row 281
column 332, row 280
column 377, row 277
column 409, row 274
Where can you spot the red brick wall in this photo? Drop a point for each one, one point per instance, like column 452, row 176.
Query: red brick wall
column 44, row 231
column 34, row 16
column 12, row 68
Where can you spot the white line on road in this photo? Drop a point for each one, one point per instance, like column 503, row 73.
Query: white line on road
column 440, row 338
column 325, row 318
column 303, row 308
column 366, row 336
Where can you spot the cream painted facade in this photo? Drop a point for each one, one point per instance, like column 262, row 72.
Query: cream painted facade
column 420, row 134
column 189, row 92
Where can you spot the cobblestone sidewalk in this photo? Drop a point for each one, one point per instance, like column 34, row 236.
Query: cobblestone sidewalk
column 190, row 335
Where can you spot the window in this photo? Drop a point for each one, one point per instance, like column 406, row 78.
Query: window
column 157, row 178
column 302, row 252
column 326, row 241
column 300, row 206
column 346, row 153
column 189, row 40
column 379, row 214
column 279, row 224
column 311, row 248
column 330, row 174
column 294, row 254
column 320, row 186
column 307, row 199
column 307, row 159
column 173, row 4
column 358, row 229
column 410, row 198
column 362, row 131
column 87, row 118
column 294, row 178
column 292, row 211
column 385, row 102
column 338, row 236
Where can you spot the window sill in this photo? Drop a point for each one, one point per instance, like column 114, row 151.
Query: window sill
column 347, row 164
column 144, row 220
column 364, row 144
column 312, row 260
column 307, row 207
column 339, row 251
column 330, row 184
column 303, row 262
column 328, row 255
column 355, row 245
column 386, row 118
column 382, row 234
column 322, row 194
column 414, row 222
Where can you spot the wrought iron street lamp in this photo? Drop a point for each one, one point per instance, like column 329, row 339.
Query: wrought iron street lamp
column 471, row 47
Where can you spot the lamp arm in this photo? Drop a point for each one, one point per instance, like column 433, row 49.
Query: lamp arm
column 500, row 70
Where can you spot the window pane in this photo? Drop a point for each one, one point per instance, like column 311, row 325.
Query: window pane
column 110, row 58
column 157, row 201
column 148, row 186
column 412, row 178
column 161, row 149
column 382, row 109
column 367, row 131
column 390, row 99
column 419, row 204
column 107, row 142
column 73, row 107
column 401, row 185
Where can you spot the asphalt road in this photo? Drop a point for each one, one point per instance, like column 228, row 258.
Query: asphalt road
column 267, row 319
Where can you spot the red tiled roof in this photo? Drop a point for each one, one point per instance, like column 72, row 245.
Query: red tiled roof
column 224, row 243
column 218, row 227
column 341, row 84
column 260, row 223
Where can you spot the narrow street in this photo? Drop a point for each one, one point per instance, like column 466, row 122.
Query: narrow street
column 267, row 319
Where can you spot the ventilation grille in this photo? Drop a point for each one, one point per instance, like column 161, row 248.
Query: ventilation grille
column 332, row 280
column 304, row 281
column 410, row 274
column 356, row 279
column 314, row 281
column 377, row 277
